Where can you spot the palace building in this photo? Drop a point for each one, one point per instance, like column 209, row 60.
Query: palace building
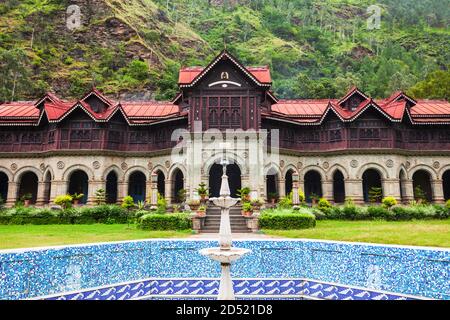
column 333, row 148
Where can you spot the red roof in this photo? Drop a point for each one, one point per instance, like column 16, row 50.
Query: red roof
column 19, row 109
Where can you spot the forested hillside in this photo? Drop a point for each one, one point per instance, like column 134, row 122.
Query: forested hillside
column 134, row 48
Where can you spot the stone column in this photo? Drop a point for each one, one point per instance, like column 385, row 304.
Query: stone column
column 94, row 185
column 153, row 190
column 391, row 188
column 438, row 191
column 122, row 191
column 354, row 190
column 169, row 191
column 327, row 188
column 12, row 193
column 40, row 193
column 295, row 183
column 281, row 188
column 409, row 190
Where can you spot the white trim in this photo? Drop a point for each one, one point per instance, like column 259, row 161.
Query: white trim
column 224, row 82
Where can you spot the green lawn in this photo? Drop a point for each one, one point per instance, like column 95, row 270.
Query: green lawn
column 416, row 233
column 23, row 236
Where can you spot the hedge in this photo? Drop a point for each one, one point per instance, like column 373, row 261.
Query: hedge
column 174, row 221
column 286, row 220
column 83, row 215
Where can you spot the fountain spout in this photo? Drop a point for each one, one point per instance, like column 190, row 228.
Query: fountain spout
column 225, row 254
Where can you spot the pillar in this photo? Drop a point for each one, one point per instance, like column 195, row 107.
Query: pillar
column 40, row 193
column 391, row 188
column 93, row 186
column 12, row 193
column 153, row 190
column 438, row 191
column 295, row 183
column 409, row 190
column 59, row 187
column 327, row 189
column 169, row 191
column 281, row 188
column 354, row 190
column 122, row 191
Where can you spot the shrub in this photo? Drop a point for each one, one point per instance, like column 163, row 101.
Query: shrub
column 161, row 204
column 155, row 221
column 301, row 196
column 128, row 202
column 285, row 202
column 287, row 220
column 375, row 194
column 323, row 204
column 65, row 201
column 247, row 207
column 377, row 212
column 100, row 196
column 447, row 204
column 389, row 202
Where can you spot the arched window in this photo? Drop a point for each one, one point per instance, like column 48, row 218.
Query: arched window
column 79, row 183
column 422, row 186
column 3, row 187
column 178, row 186
column 288, row 182
column 372, row 188
column 313, row 185
column 136, row 186
column 161, row 183
column 47, row 187
column 446, row 184
column 111, row 187
column 338, row 187
column 28, row 186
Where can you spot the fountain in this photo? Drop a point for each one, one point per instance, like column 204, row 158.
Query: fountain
column 225, row 254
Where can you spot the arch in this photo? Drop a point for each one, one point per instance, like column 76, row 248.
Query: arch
column 76, row 167
column 272, row 176
column 339, row 167
column 288, row 168
column 446, row 184
column 78, row 182
column 7, row 173
column 338, row 186
column 133, row 169
column 137, row 181
column 215, row 179
column 47, row 186
column 28, row 186
column 111, row 185
column 231, row 157
column 312, row 184
column 4, row 184
column 117, row 171
column 160, row 181
column 319, row 170
column 21, row 171
column 371, row 181
column 177, row 185
column 424, row 167
column 384, row 174
column 173, row 169
column 422, row 185
column 288, row 181
column 160, row 168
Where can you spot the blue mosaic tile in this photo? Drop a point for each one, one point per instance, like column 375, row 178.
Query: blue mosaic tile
column 357, row 271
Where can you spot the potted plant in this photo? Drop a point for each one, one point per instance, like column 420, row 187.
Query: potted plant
column 181, row 195
column 26, row 198
column 176, row 208
column 202, row 191
column 247, row 209
column 76, row 198
column 257, row 203
column 244, row 194
column 194, row 204
column 201, row 211
column 314, row 198
column 272, row 196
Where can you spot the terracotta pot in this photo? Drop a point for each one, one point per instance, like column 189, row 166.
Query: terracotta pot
column 246, row 213
column 272, row 201
column 201, row 213
column 76, row 202
column 26, row 202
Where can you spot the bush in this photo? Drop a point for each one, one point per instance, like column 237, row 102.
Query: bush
column 323, row 204
column 301, row 196
column 447, row 204
column 65, row 201
column 156, row 221
column 285, row 202
column 286, row 219
column 377, row 212
column 389, row 202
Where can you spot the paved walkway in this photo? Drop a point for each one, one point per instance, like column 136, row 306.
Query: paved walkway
column 234, row 236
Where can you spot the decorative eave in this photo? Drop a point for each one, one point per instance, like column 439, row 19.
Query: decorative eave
column 224, row 53
column 350, row 93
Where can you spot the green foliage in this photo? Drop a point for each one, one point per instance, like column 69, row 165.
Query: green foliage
column 323, row 204
column 243, row 193
column 153, row 221
column 375, row 194
column 419, row 194
column 301, row 196
column 65, row 201
column 181, row 195
column 247, row 207
column 389, row 202
column 286, row 219
column 435, row 86
column 202, row 190
column 161, row 204
column 128, row 202
column 77, row 196
column 285, row 202
column 447, row 204
column 100, row 196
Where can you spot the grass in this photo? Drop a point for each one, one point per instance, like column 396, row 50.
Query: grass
column 417, row 233
column 24, row 236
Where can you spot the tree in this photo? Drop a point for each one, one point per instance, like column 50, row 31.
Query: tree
column 14, row 74
column 435, row 86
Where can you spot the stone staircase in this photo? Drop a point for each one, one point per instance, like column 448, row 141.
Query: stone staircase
column 212, row 220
